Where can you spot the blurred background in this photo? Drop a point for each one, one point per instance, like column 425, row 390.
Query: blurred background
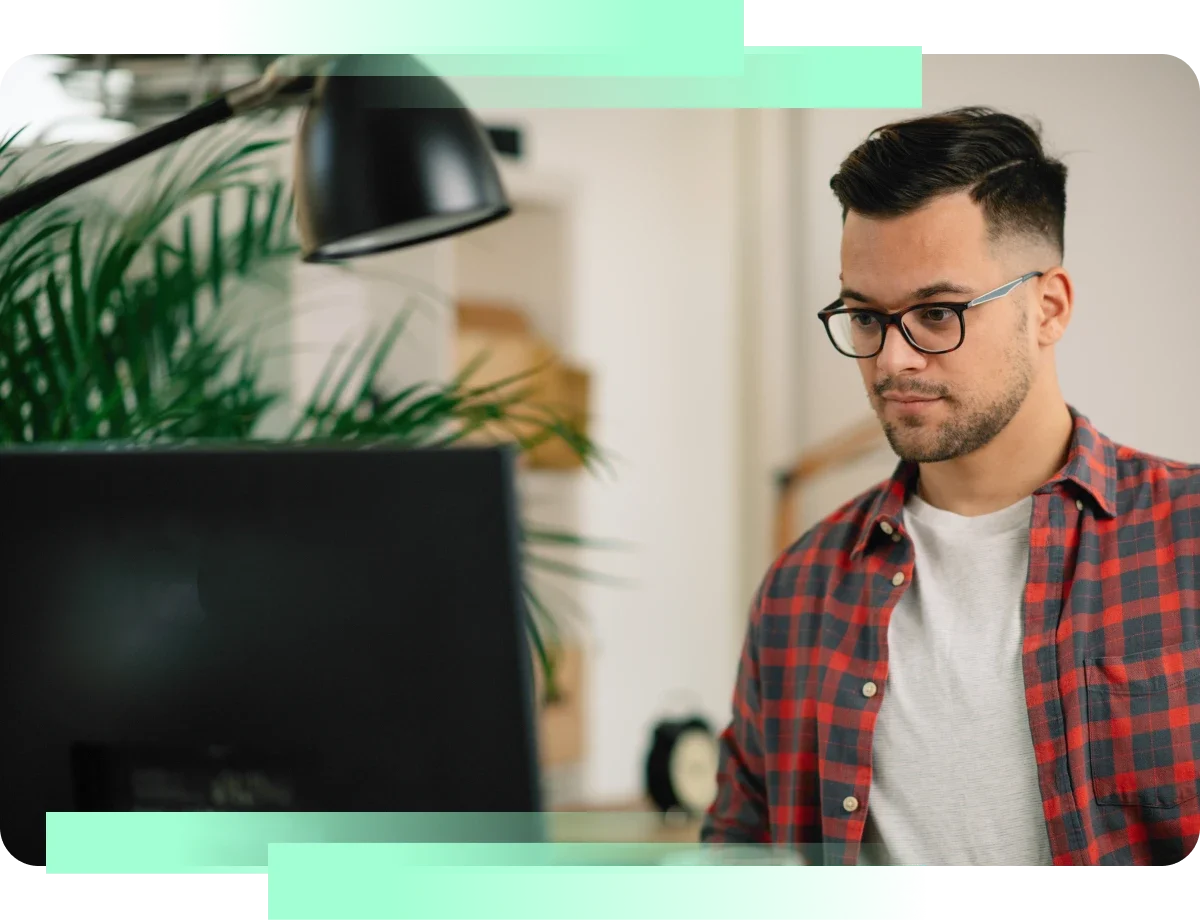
column 672, row 262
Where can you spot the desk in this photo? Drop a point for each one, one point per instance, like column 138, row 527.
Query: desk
column 634, row 822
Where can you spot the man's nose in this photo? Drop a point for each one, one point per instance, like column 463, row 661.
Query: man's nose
column 898, row 355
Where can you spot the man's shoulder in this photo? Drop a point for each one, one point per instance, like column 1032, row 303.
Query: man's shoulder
column 1138, row 469
column 828, row 543
column 844, row 526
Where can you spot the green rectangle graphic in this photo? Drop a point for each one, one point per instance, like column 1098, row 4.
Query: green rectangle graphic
column 236, row 842
column 239, row 842
column 597, row 53
column 803, row 77
column 394, row 881
column 666, row 36
column 344, row 865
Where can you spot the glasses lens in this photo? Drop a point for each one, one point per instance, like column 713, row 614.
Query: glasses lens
column 934, row 328
column 857, row 333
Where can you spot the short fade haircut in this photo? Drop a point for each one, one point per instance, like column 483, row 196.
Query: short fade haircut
column 998, row 158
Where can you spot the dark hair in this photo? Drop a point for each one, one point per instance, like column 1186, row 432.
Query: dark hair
column 902, row 166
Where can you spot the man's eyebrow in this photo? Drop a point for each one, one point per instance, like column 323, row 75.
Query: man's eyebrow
column 930, row 290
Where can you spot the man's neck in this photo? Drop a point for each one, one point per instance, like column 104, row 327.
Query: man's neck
column 1027, row 453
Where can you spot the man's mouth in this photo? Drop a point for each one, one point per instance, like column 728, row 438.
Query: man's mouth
column 904, row 399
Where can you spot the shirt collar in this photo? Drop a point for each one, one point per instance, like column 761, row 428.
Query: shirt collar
column 1091, row 468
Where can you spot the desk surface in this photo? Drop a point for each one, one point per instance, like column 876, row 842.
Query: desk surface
column 635, row 822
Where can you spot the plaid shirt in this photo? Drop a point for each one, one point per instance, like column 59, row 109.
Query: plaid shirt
column 1111, row 660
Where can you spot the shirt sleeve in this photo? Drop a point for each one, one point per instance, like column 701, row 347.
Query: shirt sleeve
column 739, row 813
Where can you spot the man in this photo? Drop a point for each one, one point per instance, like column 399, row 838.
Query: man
column 993, row 657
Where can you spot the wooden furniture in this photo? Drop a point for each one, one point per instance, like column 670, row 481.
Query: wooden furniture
column 631, row 822
column 497, row 340
column 561, row 721
column 851, row 444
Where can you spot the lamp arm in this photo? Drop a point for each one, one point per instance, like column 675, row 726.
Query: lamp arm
column 287, row 79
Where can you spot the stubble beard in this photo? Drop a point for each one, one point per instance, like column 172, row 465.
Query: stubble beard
column 971, row 426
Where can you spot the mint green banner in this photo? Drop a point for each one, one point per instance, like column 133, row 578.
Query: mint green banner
column 803, row 77
column 350, row 865
column 236, row 842
column 593, row 53
column 240, row 842
column 779, row 78
column 394, row 881
column 682, row 37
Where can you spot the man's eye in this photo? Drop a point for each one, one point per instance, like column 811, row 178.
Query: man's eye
column 935, row 315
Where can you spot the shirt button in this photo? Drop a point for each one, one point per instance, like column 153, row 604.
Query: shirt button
column 895, row 538
column 1079, row 504
column 850, row 803
column 885, row 527
column 869, row 689
column 898, row 579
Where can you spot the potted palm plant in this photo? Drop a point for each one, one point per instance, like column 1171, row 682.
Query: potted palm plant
column 116, row 324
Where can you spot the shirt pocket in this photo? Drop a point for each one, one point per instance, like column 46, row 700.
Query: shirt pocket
column 1143, row 728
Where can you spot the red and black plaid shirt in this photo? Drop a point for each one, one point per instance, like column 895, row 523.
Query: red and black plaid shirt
column 1111, row 660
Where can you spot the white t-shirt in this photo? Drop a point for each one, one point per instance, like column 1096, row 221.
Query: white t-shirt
column 954, row 779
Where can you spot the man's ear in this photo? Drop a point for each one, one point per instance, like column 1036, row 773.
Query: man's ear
column 1055, row 302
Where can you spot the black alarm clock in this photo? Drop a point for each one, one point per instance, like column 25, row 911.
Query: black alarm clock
column 681, row 768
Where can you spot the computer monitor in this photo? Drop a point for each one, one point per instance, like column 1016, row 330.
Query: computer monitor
column 342, row 625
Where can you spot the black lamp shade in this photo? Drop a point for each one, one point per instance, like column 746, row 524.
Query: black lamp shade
column 387, row 156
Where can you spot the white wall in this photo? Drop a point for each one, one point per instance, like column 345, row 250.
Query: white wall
column 1128, row 128
column 766, row 254
column 652, row 313
column 33, row 102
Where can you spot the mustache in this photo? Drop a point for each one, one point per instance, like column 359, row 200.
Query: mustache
column 892, row 387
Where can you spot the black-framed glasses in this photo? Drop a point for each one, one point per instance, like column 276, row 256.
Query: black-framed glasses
column 931, row 328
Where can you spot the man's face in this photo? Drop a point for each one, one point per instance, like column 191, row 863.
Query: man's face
column 938, row 407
